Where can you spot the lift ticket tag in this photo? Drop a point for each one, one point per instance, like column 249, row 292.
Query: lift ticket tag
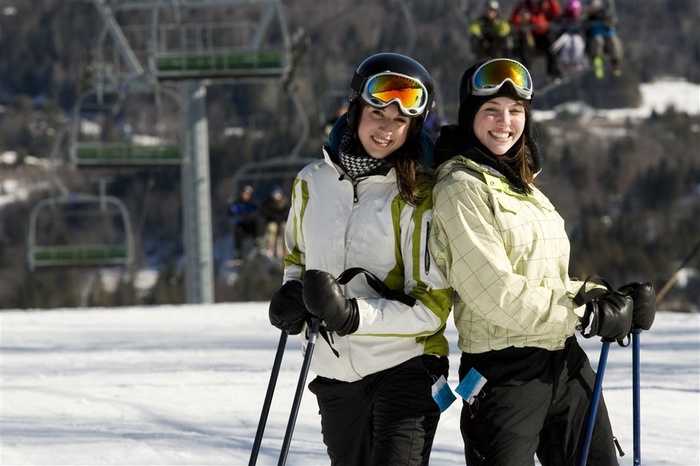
column 471, row 385
column 442, row 394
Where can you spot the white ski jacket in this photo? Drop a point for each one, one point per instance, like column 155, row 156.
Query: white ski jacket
column 335, row 224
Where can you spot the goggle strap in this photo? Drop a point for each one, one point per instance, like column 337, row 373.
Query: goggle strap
column 356, row 82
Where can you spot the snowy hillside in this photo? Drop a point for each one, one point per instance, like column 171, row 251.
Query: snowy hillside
column 658, row 96
column 184, row 385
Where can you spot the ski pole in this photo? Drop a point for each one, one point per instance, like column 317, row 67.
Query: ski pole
column 316, row 324
column 636, row 398
column 645, row 301
column 595, row 399
column 268, row 396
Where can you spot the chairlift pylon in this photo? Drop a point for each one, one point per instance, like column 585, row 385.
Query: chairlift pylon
column 196, row 42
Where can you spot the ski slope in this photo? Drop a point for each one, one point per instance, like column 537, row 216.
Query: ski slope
column 184, row 385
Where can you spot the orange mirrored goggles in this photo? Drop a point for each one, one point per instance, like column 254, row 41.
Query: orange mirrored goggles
column 492, row 75
column 386, row 88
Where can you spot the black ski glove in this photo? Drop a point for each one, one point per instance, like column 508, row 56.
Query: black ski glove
column 287, row 307
column 325, row 299
column 644, row 297
column 608, row 315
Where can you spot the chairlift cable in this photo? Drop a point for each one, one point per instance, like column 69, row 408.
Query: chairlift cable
column 299, row 105
column 411, row 27
column 144, row 205
column 326, row 22
column 53, row 161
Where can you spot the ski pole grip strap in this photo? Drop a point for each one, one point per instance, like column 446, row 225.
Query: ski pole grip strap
column 377, row 285
column 583, row 296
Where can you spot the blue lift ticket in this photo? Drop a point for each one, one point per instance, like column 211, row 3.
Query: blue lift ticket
column 443, row 394
column 471, row 385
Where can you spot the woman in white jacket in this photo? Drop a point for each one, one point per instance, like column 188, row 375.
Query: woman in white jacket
column 367, row 204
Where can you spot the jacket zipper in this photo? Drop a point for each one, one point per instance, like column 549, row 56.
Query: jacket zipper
column 427, row 251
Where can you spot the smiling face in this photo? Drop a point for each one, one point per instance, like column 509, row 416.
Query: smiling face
column 499, row 123
column 382, row 130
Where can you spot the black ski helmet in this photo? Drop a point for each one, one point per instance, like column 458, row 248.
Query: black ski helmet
column 387, row 62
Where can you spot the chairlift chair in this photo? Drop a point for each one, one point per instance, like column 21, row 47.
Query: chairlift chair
column 129, row 128
column 63, row 233
column 279, row 171
column 276, row 172
column 218, row 40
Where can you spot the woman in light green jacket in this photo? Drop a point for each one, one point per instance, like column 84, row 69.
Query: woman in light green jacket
column 506, row 254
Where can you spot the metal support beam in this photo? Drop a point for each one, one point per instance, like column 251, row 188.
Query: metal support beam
column 196, row 197
column 118, row 36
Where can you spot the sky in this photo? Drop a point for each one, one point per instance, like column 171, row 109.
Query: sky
column 185, row 385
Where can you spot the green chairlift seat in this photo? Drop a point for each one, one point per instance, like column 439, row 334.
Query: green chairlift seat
column 106, row 154
column 224, row 64
column 91, row 255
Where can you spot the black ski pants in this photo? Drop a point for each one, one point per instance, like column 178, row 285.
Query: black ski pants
column 387, row 418
column 535, row 401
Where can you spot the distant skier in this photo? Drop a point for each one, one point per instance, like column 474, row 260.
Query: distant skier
column 274, row 212
column 245, row 223
column 570, row 45
column 602, row 39
column 531, row 19
column 490, row 33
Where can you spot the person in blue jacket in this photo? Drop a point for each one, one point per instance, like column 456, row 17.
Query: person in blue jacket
column 602, row 39
column 367, row 205
column 244, row 212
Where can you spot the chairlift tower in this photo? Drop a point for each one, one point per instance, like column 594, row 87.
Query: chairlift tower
column 192, row 44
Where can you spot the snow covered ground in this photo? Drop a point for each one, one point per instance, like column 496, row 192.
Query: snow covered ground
column 658, row 96
column 184, row 385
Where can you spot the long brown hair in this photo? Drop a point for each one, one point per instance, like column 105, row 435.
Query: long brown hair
column 520, row 156
column 407, row 179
